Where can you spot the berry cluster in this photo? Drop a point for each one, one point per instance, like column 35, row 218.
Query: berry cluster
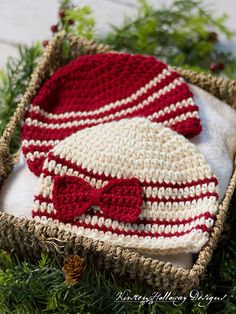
column 56, row 27
column 217, row 67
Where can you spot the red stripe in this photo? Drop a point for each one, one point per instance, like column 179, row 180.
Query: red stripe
column 119, row 232
column 103, row 177
column 141, row 233
column 36, row 133
column 171, row 222
column 183, row 199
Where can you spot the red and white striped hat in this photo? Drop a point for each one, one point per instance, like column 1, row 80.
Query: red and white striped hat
column 95, row 89
column 132, row 183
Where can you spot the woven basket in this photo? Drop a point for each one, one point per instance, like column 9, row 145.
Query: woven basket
column 30, row 238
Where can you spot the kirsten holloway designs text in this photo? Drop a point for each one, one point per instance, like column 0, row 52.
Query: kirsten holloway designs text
column 194, row 295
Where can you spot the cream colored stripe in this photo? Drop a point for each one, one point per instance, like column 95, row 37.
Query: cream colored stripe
column 191, row 242
column 35, row 154
column 121, row 113
column 114, row 224
column 27, row 143
column 172, row 107
column 107, row 107
column 181, row 118
column 88, row 219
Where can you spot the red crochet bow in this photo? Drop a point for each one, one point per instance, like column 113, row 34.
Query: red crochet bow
column 120, row 199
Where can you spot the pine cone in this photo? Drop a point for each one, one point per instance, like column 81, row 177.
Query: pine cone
column 73, row 267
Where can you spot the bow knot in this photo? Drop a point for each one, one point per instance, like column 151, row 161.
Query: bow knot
column 95, row 197
column 119, row 199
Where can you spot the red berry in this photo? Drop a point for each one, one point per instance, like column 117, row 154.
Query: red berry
column 221, row 66
column 62, row 13
column 54, row 28
column 71, row 22
column 45, row 43
column 214, row 67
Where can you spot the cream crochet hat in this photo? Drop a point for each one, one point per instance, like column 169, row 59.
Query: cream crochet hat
column 132, row 183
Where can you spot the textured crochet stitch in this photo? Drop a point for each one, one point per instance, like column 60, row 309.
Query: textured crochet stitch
column 96, row 89
column 132, row 183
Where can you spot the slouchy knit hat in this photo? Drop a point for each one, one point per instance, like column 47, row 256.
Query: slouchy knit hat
column 95, row 89
column 132, row 183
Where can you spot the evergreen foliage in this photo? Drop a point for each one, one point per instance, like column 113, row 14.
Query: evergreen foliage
column 184, row 34
column 13, row 82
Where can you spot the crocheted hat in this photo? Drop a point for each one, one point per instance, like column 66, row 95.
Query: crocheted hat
column 132, row 183
column 94, row 89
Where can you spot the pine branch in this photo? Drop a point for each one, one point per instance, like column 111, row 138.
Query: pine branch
column 182, row 34
column 13, row 84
